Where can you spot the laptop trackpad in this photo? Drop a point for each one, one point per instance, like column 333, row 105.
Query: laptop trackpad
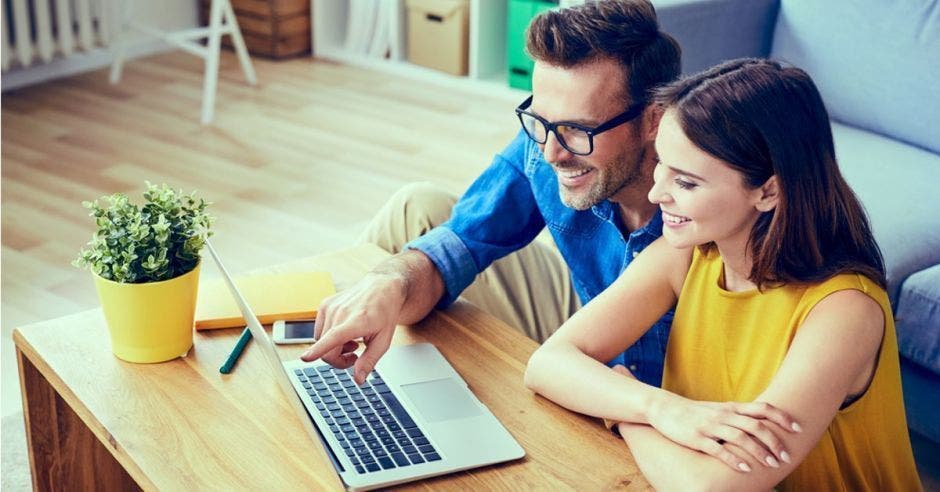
column 442, row 399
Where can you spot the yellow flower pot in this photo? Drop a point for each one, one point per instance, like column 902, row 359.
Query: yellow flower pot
column 150, row 322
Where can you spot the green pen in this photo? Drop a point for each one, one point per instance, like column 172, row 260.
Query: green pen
column 236, row 352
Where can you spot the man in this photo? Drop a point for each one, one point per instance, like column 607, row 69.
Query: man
column 581, row 166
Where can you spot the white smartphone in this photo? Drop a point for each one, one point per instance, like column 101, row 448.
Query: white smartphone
column 297, row 331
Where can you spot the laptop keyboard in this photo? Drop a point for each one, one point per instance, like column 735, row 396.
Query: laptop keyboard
column 369, row 422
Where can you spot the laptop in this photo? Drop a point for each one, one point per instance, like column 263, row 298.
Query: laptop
column 413, row 418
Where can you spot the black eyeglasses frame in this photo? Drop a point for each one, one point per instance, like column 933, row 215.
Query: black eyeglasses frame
column 631, row 113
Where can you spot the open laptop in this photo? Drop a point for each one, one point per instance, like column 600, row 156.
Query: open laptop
column 413, row 418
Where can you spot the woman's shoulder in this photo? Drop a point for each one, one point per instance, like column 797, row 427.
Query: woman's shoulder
column 846, row 281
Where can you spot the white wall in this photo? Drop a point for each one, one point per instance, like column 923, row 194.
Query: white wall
column 170, row 15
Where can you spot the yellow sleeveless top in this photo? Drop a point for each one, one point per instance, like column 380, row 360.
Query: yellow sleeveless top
column 727, row 346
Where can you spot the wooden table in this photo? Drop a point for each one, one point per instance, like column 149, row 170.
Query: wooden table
column 96, row 422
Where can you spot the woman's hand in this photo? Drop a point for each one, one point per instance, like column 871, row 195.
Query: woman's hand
column 725, row 430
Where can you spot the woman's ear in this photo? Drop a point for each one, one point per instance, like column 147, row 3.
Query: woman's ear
column 769, row 195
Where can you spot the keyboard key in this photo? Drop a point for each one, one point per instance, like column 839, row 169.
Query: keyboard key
column 319, row 387
column 362, row 451
column 360, row 469
column 379, row 453
column 357, row 397
column 349, row 383
column 329, row 400
column 344, row 400
column 349, row 408
column 393, row 427
column 398, row 410
column 351, row 435
column 373, row 445
column 367, row 458
column 336, row 413
column 400, row 459
column 320, row 406
column 347, row 428
column 349, row 452
column 421, row 441
column 393, row 448
column 342, row 421
column 344, row 443
column 362, row 404
column 336, row 388
column 325, row 413
column 410, row 449
column 404, row 441
column 386, row 463
column 416, row 458
column 324, row 368
column 382, row 433
column 426, row 449
column 369, row 436
column 381, row 388
column 307, row 385
column 383, row 412
column 356, row 442
column 373, row 467
column 414, row 432
column 388, row 441
column 299, row 372
column 432, row 457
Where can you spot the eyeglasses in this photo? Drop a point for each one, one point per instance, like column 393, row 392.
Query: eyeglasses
column 575, row 138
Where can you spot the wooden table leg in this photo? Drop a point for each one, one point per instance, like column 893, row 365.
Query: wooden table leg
column 64, row 454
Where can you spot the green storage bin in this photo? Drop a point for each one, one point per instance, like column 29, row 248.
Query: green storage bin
column 519, row 14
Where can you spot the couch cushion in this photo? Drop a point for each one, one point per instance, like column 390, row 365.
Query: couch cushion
column 898, row 185
column 918, row 318
column 877, row 63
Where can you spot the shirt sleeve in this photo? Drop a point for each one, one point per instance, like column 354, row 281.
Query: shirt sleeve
column 495, row 217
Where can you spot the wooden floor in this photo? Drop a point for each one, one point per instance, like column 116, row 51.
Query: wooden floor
column 294, row 166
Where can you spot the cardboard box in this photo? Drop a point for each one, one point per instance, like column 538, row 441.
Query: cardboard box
column 437, row 34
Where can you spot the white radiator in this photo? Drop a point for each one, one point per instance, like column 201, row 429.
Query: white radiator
column 37, row 31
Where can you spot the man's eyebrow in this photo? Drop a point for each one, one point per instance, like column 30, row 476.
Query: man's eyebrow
column 580, row 121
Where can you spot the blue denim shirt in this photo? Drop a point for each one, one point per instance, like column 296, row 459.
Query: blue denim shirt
column 507, row 207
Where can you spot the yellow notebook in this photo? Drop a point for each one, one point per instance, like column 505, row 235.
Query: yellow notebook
column 272, row 297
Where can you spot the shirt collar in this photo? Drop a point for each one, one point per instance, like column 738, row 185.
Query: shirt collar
column 606, row 210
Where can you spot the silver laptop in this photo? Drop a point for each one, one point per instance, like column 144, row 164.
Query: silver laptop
column 414, row 417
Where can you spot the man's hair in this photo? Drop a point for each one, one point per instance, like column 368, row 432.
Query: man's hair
column 625, row 31
column 765, row 119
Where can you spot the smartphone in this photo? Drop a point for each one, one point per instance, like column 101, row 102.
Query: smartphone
column 297, row 331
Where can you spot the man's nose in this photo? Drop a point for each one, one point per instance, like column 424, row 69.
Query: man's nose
column 553, row 150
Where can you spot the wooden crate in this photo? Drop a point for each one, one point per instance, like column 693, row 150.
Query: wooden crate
column 271, row 28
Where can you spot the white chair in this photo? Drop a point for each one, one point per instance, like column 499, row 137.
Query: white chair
column 221, row 21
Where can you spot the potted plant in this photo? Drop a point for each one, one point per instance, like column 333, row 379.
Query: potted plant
column 145, row 262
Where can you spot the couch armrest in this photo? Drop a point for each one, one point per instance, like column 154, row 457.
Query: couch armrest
column 711, row 31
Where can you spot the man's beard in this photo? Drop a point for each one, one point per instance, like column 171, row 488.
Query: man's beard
column 619, row 173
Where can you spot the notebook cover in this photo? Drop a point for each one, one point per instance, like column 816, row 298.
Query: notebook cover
column 287, row 296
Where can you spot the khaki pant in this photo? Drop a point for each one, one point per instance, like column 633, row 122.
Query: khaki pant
column 530, row 289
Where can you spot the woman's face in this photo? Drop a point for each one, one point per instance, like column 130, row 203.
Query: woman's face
column 702, row 198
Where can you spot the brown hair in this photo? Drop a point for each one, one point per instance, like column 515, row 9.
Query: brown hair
column 766, row 120
column 623, row 30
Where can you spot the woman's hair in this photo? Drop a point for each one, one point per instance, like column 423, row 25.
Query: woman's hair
column 622, row 30
column 765, row 119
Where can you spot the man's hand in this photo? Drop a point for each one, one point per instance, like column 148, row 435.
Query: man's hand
column 725, row 430
column 402, row 290
column 368, row 310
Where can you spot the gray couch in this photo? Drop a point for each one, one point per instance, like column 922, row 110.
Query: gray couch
column 877, row 65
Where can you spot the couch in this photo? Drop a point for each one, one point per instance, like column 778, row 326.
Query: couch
column 877, row 65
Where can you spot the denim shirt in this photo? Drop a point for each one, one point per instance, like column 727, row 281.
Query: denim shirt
column 507, row 207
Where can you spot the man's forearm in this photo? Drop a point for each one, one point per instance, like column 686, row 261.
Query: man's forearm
column 419, row 280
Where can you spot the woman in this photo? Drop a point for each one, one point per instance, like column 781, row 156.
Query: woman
column 781, row 305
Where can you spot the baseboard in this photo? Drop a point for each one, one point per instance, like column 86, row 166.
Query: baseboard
column 77, row 63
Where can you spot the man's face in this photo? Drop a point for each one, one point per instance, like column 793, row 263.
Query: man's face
column 589, row 95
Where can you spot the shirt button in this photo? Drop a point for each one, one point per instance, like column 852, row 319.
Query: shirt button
column 635, row 253
column 632, row 367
